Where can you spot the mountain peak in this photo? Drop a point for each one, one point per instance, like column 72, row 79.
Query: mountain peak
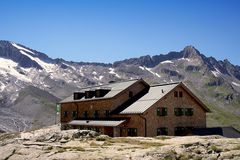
column 190, row 52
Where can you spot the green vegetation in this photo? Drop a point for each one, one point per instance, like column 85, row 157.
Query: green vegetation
column 236, row 147
column 102, row 138
column 215, row 149
column 93, row 144
column 144, row 144
column 6, row 136
column 163, row 137
column 221, row 117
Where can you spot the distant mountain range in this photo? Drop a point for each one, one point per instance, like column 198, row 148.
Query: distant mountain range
column 31, row 82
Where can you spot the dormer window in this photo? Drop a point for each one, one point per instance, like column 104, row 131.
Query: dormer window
column 78, row 95
column 89, row 94
column 101, row 92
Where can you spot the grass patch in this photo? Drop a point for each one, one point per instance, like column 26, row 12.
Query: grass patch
column 237, row 147
column 145, row 144
column 163, row 137
column 215, row 149
column 93, row 144
column 6, row 136
column 221, row 117
column 102, row 138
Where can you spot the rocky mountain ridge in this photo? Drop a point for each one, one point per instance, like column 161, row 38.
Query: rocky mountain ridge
column 26, row 75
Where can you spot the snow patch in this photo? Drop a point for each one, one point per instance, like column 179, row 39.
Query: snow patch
column 216, row 72
column 149, row 70
column 8, row 66
column 69, row 66
column 167, row 61
column 142, row 68
column 94, row 73
column 98, row 78
column 2, row 86
column 22, row 48
column 101, row 77
column 236, row 84
column 47, row 66
column 111, row 71
column 81, row 71
column 185, row 59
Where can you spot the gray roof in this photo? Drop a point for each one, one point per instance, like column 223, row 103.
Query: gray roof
column 154, row 94
column 96, row 123
column 115, row 89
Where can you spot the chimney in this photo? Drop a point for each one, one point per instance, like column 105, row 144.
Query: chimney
column 162, row 91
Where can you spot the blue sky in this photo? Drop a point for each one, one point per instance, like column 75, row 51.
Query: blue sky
column 111, row 30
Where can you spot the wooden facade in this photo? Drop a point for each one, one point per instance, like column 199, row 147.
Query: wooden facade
column 174, row 113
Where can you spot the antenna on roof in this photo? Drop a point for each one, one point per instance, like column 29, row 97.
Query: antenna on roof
column 162, row 91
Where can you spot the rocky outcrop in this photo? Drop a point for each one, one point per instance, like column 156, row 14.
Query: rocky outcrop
column 52, row 143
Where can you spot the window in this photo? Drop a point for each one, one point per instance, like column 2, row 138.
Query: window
column 130, row 94
column 175, row 93
column 65, row 113
column 85, row 114
column 132, row 132
column 179, row 111
column 107, row 113
column 161, row 111
column 162, row 131
column 180, row 94
column 74, row 114
column 96, row 114
column 188, row 111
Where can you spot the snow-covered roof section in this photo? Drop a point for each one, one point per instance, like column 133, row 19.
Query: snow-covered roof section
column 106, row 123
column 115, row 89
column 154, row 94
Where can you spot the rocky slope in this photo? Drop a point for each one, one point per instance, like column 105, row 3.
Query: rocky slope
column 51, row 143
column 31, row 82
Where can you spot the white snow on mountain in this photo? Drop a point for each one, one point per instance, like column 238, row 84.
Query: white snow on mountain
column 167, row 61
column 21, row 48
column 46, row 66
column 9, row 67
column 111, row 71
column 185, row 59
column 94, row 73
column 150, row 70
column 236, row 84
column 216, row 72
column 81, row 71
column 70, row 66
column 2, row 86
column 142, row 68
column 101, row 77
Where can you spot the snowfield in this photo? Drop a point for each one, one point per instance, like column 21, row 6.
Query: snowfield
column 9, row 67
column 167, row 61
column 21, row 48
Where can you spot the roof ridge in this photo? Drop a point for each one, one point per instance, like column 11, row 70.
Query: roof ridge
column 163, row 84
column 127, row 80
